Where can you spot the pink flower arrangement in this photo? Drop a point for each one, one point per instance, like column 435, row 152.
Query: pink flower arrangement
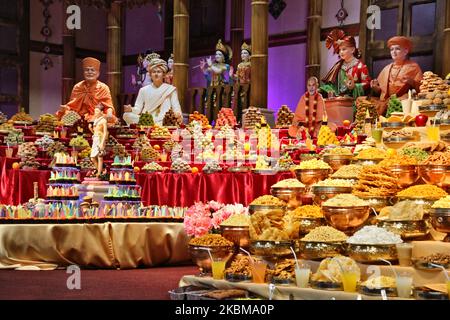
column 202, row 218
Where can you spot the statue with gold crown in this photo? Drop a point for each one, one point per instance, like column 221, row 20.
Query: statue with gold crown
column 243, row 71
column 218, row 72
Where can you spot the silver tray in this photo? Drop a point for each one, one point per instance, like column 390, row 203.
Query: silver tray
column 393, row 124
column 327, row 285
column 390, row 292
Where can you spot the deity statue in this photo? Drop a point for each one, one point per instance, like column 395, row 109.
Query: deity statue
column 156, row 98
column 169, row 75
column 143, row 77
column 89, row 93
column 218, row 73
column 310, row 111
column 398, row 77
column 349, row 76
column 243, row 72
column 99, row 131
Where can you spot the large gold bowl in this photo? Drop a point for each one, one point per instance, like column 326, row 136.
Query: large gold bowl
column 440, row 219
column 378, row 202
column 272, row 250
column 313, row 250
column 307, row 224
column 407, row 229
column 371, row 253
column 406, row 174
column 240, row 236
column 312, row 176
column 202, row 259
column 435, row 174
column 346, row 219
column 323, row 193
column 337, row 161
column 292, row 196
column 253, row 208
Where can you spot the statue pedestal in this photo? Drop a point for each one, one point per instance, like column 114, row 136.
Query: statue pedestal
column 339, row 109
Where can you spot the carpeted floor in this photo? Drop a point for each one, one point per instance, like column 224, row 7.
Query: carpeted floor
column 136, row 284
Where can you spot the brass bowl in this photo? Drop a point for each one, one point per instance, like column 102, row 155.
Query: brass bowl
column 426, row 203
column 292, row 196
column 367, row 162
column 390, row 126
column 307, row 224
column 431, row 110
column 378, row 203
column 312, row 176
column 407, row 175
column 337, row 161
column 323, row 193
column 271, row 249
column 440, row 219
column 240, row 236
column 201, row 258
column 435, row 174
column 397, row 142
column 312, row 250
column 346, row 219
column 371, row 253
column 407, row 229
column 264, row 208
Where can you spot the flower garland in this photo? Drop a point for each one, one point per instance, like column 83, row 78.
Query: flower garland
column 312, row 121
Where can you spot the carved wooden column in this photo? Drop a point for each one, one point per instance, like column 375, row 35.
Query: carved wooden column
column 168, row 28
column 446, row 42
column 260, row 48
column 237, row 29
column 181, row 49
column 114, row 53
column 313, row 40
column 68, row 66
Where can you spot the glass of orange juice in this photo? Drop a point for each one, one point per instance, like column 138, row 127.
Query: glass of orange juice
column 448, row 289
column 218, row 267
column 258, row 268
column 349, row 281
column 433, row 133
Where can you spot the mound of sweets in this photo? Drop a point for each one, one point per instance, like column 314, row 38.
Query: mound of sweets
column 226, row 117
column 284, row 117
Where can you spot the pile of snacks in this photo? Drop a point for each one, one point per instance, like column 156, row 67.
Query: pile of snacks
column 371, row 153
column 362, row 105
column 79, row 142
column 168, row 145
column 210, row 240
column 171, row 119
column 426, row 191
column 284, row 163
column 402, row 133
column 141, row 142
column 284, row 117
column 44, row 142
column 225, row 132
column 374, row 235
column 376, row 181
column 345, row 200
column 429, row 147
column 27, row 153
column 330, row 269
column 85, row 153
column 56, row 147
column 397, row 159
column 288, row 183
column 146, row 120
column 326, row 137
column 148, row 153
column 47, row 123
column 179, row 165
column 7, row 126
column 394, row 105
column 267, row 226
column 402, row 211
column 120, row 151
column 284, row 270
column 338, row 151
column 268, row 200
column 335, row 183
column 437, row 258
column 21, row 117
column 87, row 164
column 307, row 211
column 201, row 118
column 70, row 118
column 314, row 164
column 14, row 137
column 433, row 90
column 160, row 133
column 325, row 234
column 416, row 153
column 438, row 158
column 152, row 167
column 212, row 166
column 240, row 266
column 380, row 282
column 126, row 133
column 350, row 171
column 226, row 117
column 442, row 203
column 237, row 220
column 251, row 118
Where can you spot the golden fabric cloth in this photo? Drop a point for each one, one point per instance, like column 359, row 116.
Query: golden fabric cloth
column 102, row 245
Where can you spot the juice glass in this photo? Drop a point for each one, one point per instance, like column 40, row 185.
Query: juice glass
column 404, row 253
column 9, row 152
column 448, row 289
column 302, row 275
column 404, row 284
column 258, row 268
column 349, row 281
column 377, row 134
column 218, row 267
column 433, row 133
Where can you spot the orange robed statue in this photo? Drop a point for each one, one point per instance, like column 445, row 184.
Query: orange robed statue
column 89, row 93
column 310, row 111
column 399, row 76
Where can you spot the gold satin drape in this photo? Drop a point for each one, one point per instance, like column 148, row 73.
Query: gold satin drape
column 102, row 245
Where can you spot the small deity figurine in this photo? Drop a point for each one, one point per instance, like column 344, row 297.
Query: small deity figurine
column 143, row 77
column 349, row 76
column 99, row 131
column 243, row 71
column 218, row 73
column 168, row 78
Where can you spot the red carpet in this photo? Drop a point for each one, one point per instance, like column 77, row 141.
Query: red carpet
column 136, row 284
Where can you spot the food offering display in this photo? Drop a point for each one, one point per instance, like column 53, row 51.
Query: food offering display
column 284, row 117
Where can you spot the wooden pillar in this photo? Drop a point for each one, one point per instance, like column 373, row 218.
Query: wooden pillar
column 260, row 48
column 114, row 53
column 237, row 29
column 313, row 41
column 181, row 49
column 168, row 28
column 446, row 41
column 68, row 66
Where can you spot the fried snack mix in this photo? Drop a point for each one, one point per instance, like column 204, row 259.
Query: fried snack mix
column 345, row 200
column 314, row 164
column 210, row 240
column 397, row 159
column 325, row 234
column 426, row 191
column 240, row 266
column 288, row 183
column 438, row 158
column 268, row 226
column 442, row 203
column 371, row 153
column 284, row 270
column 376, row 181
column 268, row 200
column 237, row 220
column 330, row 269
column 347, row 172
